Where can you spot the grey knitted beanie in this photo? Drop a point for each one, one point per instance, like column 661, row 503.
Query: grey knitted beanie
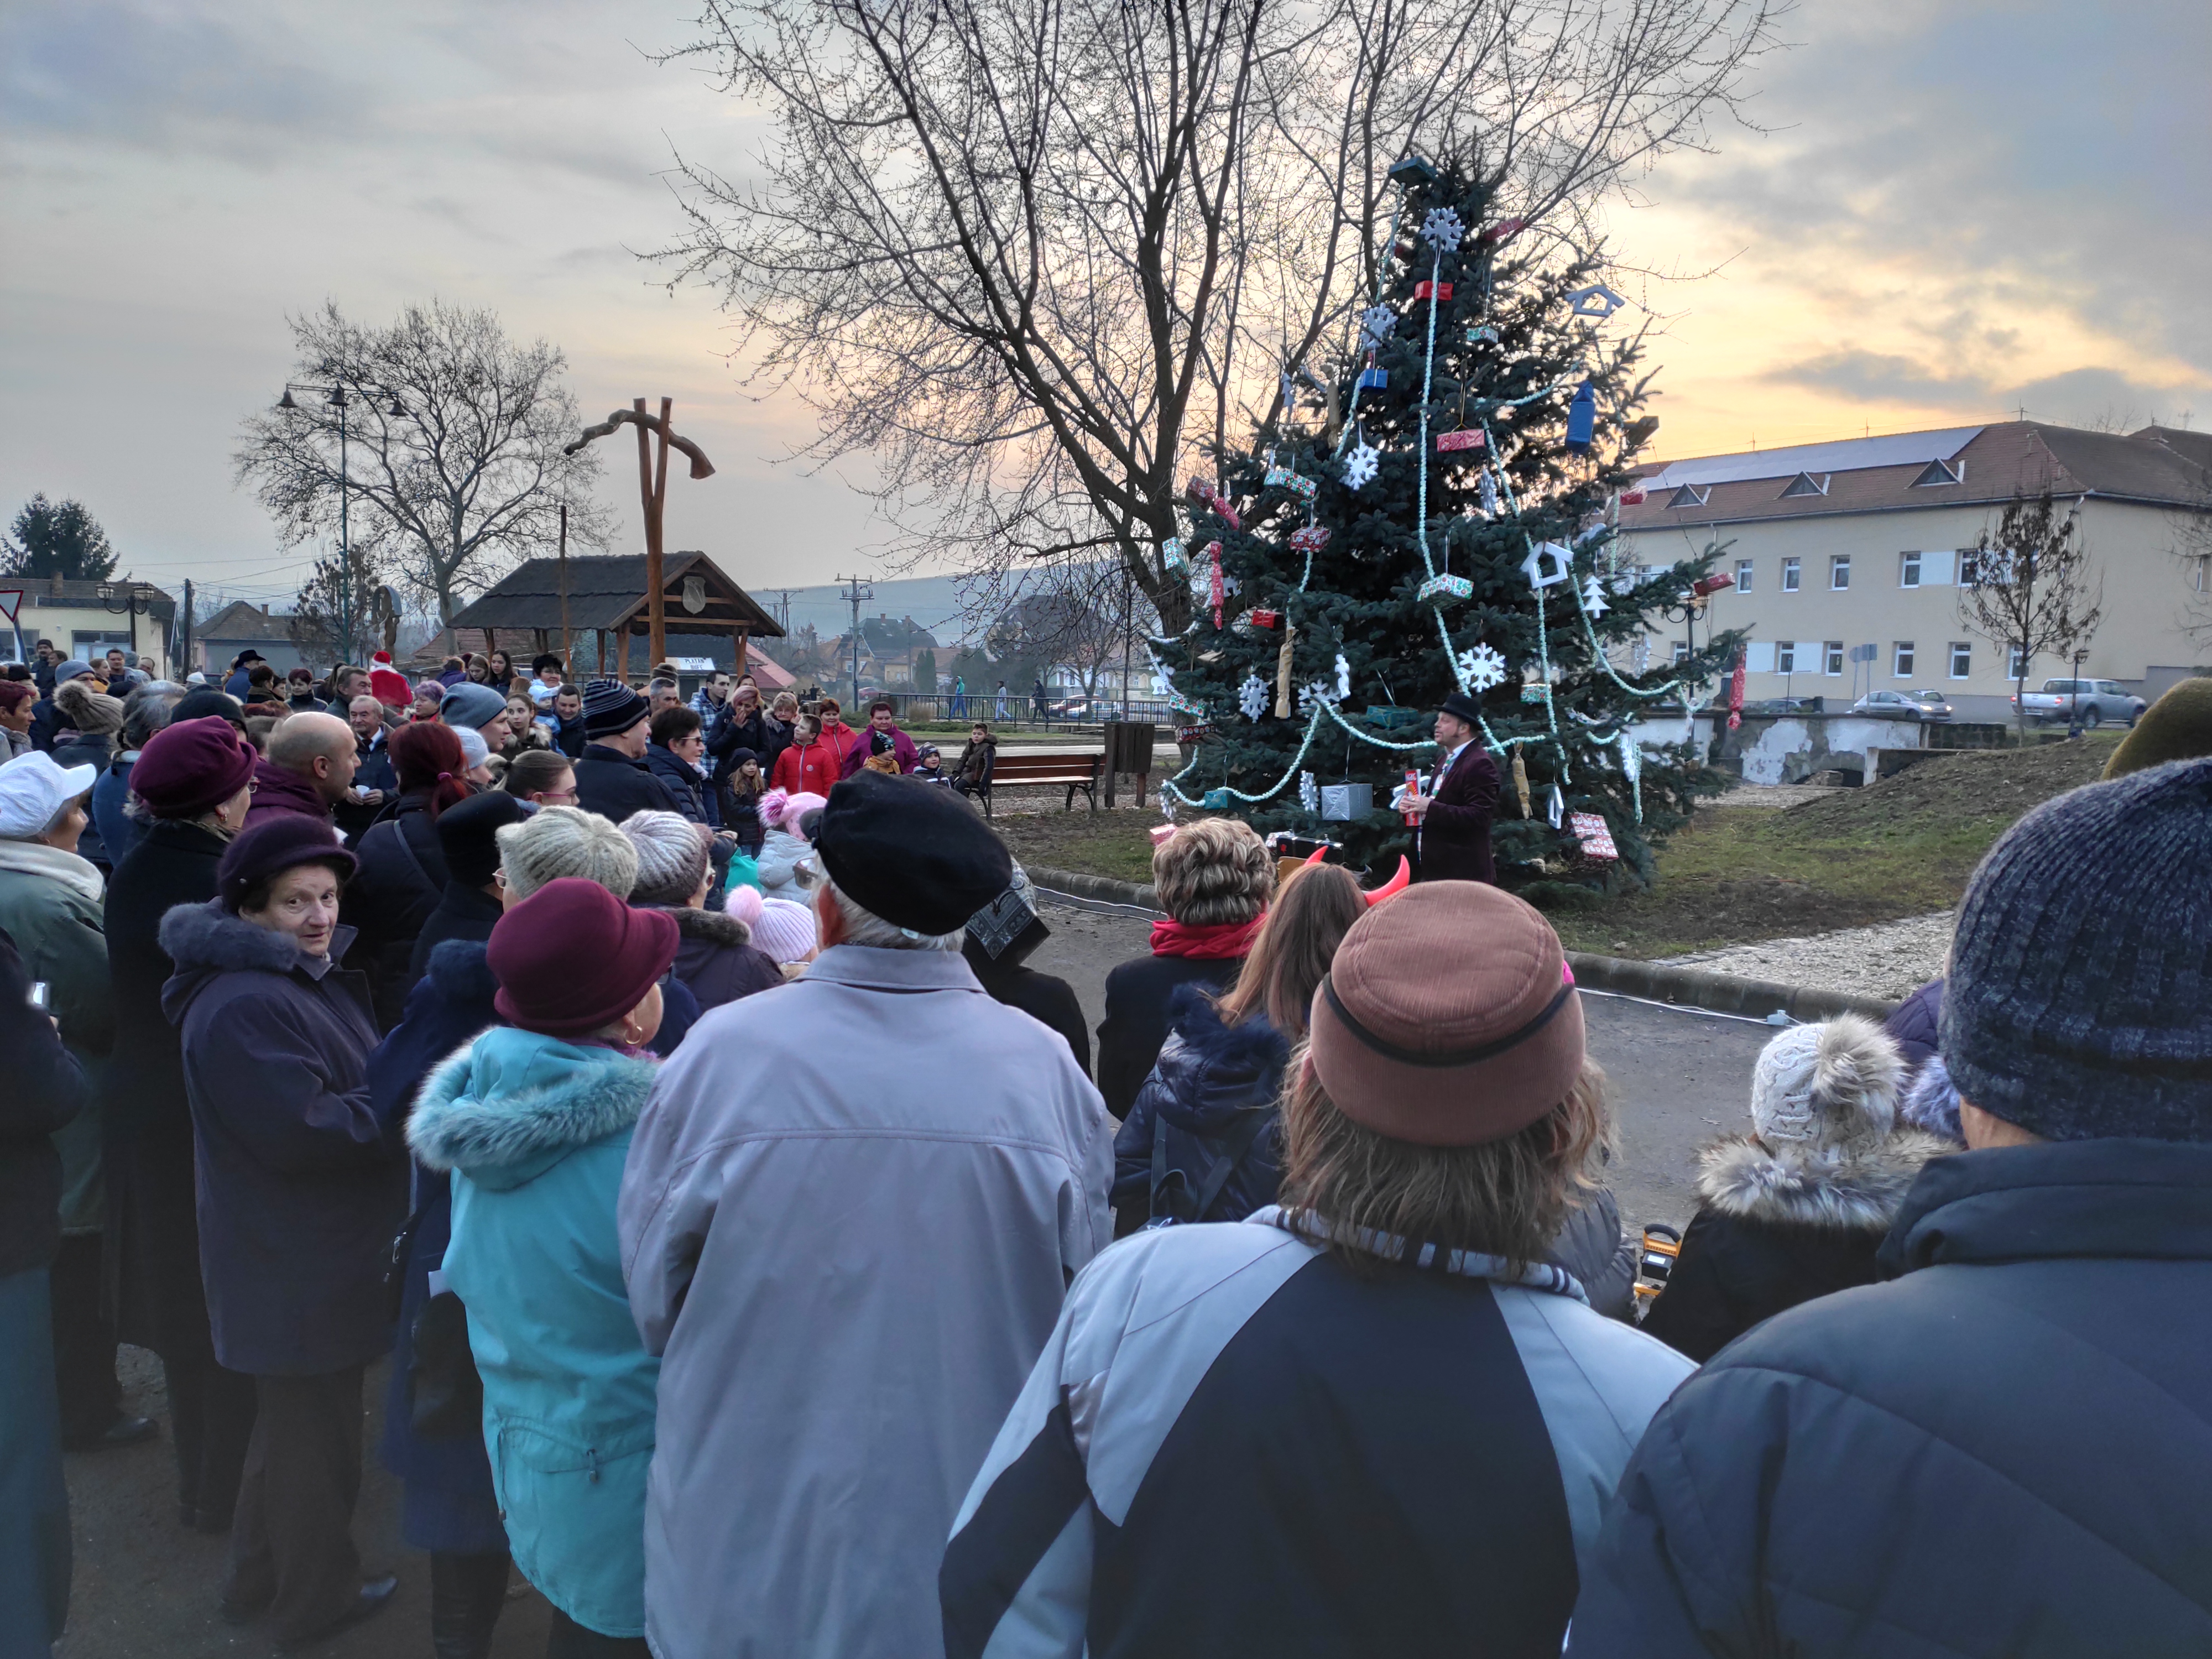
column 671, row 857
column 565, row 840
column 2080, row 998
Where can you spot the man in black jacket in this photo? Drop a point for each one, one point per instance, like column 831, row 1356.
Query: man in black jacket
column 611, row 776
column 2006, row 1450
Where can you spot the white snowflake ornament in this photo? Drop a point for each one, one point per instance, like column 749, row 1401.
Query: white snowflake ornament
column 1360, row 466
column 1252, row 696
column 1308, row 792
column 1482, row 667
column 1442, row 230
column 1489, row 496
column 1377, row 323
column 1312, row 692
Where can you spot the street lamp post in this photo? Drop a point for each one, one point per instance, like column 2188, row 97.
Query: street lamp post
column 137, row 600
column 335, row 396
column 2073, row 716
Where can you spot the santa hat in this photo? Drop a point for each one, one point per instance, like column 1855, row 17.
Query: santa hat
column 386, row 683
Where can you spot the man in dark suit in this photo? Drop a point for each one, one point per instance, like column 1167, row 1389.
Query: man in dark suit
column 1453, row 839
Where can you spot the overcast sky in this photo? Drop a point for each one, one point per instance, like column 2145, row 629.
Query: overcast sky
column 1959, row 207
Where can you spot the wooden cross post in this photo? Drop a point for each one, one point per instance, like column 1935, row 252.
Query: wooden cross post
column 653, row 490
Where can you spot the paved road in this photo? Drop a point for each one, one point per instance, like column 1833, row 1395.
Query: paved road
column 145, row 1589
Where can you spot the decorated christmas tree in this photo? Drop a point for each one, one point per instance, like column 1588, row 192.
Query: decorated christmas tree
column 1443, row 522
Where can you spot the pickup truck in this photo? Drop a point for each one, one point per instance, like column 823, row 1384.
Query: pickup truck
column 2099, row 700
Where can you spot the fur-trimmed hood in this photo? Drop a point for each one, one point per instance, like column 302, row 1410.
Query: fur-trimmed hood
column 1207, row 1071
column 1858, row 1188
column 513, row 1104
column 205, row 941
column 714, row 927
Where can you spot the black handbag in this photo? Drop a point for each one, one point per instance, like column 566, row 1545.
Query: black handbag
column 448, row 1394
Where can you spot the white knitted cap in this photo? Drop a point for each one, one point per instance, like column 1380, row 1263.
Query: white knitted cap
column 671, row 856
column 565, row 841
column 1829, row 1085
column 785, row 931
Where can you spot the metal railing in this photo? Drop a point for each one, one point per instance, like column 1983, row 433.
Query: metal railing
column 1016, row 713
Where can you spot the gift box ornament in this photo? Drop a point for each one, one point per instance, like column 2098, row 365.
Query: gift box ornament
column 1202, row 490
column 1374, row 380
column 1216, row 800
column 1503, row 231
column 1178, row 561
column 1439, row 292
column 1481, row 334
column 1283, row 477
column 1534, row 694
column 1311, row 540
column 1592, row 834
column 1393, row 718
column 1581, row 419
column 1446, row 586
column 1465, row 438
column 1258, row 620
column 1346, row 803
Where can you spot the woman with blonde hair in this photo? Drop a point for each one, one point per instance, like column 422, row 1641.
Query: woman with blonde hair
column 1433, row 1413
column 1201, row 1142
column 1214, row 877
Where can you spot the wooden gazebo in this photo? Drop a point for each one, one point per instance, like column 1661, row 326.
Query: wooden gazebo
column 606, row 597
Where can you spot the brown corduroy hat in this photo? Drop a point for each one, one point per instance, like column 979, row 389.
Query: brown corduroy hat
column 1448, row 1017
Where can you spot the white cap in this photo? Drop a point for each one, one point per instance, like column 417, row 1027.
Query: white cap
column 474, row 751
column 33, row 790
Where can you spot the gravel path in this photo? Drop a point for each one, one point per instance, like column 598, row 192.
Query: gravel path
column 1887, row 961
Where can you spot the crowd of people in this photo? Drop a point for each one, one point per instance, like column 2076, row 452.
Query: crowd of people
column 769, row 1262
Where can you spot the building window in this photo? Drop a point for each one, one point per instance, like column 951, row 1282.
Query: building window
column 2202, row 567
column 1938, row 473
column 1785, row 657
column 1806, row 484
column 1790, row 573
column 1908, row 570
column 2016, row 663
column 1743, row 576
column 1681, row 652
column 1690, row 495
column 1833, row 651
column 1962, row 659
column 1839, row 570
column 1901, row 663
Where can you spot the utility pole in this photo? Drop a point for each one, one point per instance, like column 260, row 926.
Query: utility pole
column 856, row 591
column 783, row 607
column 185, row 635
column 567, row 640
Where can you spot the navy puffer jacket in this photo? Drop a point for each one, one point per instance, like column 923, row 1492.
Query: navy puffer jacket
column 2005, row 1451
column 1207, row 1077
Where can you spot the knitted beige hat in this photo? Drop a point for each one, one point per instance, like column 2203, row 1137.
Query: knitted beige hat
column 1832, row 1084
column 671, row 857
column 89, row 711
column 565, row 841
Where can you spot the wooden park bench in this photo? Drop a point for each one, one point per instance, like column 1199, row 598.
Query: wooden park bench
column 1031, row 766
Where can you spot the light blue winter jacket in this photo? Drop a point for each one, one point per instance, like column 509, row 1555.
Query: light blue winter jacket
column 535, row 1131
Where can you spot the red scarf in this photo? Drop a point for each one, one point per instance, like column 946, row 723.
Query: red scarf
column 1219, row 941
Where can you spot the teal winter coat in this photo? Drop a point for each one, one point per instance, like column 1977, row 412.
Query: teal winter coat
column 535, row 1132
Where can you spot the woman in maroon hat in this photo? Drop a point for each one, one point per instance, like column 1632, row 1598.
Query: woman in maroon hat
column 534, row 1120
column 192, row 786
column 301, row 1188
column 1435, row 1414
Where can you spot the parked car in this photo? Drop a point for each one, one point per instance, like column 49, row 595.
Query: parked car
column 2098, row 700
column 1922, row 705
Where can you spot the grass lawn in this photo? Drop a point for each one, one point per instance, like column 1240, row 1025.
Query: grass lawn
column 1849, row 859
column 1738, row 874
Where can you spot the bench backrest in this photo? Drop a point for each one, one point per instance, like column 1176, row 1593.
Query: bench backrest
column 1033, row 766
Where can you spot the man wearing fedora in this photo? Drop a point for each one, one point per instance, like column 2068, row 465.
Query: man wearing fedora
column 1452, row 836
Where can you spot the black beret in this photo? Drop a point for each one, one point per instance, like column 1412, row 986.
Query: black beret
column 913, row 853
column 468, row 834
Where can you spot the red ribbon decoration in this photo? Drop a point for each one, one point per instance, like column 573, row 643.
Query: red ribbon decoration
column 1218, row 588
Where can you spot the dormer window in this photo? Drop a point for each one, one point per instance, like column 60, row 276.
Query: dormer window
column 1690, row 495
column 1941, row 473
column 1806, row 484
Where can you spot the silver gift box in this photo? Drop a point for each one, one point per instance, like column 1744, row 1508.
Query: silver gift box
column 1343, row 803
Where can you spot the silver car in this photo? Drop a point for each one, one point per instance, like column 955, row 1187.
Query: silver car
column 1921, row 705
column 2097, row 701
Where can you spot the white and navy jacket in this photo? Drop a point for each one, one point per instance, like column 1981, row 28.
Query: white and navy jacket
column 1236, row 1441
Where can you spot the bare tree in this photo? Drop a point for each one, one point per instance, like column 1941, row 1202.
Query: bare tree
column 452, row 446
column 2031, row 592
column 1041, row 259
column 346, row 608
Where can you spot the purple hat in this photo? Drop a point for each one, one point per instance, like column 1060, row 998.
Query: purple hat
column 572, row 958
column 270, row 848
column 191, row 766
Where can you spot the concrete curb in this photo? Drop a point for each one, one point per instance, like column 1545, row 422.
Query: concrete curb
column 1696, row 987
column 1104, row 890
